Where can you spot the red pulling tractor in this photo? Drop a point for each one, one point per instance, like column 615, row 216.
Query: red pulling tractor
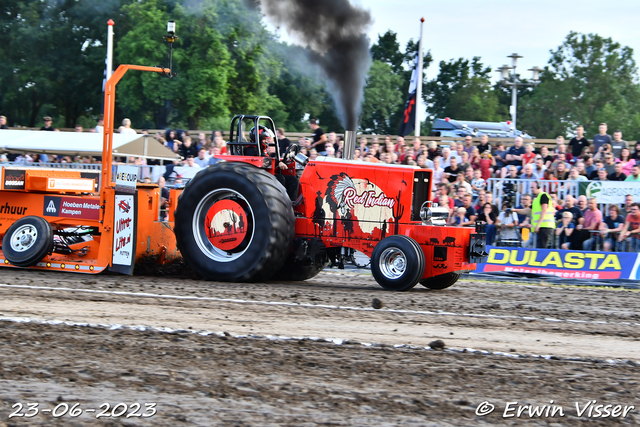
column 234, row 221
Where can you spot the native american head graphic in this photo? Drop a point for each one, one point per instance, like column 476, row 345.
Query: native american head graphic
column 336, row 191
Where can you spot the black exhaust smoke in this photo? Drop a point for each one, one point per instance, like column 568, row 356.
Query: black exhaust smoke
column 334, row 30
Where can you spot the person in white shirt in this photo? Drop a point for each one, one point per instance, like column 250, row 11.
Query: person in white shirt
column 203, row 158
column 189, row 169
column 574, row 175
column 438, row 173
column 100, row 126
column 445, row 161
column 126, row 127
column 454, row 153
column 539, row 167
column 528, row 176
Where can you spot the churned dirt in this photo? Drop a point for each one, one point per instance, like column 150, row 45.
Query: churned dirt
column 312, row 353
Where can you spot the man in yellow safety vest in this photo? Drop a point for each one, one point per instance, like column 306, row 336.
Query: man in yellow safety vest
column 542, row 216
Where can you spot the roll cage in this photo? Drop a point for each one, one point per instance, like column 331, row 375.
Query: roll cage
column 238, row 142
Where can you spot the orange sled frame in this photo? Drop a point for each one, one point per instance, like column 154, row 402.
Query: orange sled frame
column 60, row 222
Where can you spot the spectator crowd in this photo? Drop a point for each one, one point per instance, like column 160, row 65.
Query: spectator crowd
column 461, row 173
column 460, row 184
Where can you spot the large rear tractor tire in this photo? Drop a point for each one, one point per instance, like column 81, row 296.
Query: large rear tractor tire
column 234, row 223
column 441, row 281
column 397, row 263
column 27, row 241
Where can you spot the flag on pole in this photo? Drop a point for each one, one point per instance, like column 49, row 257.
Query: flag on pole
column 409, row 115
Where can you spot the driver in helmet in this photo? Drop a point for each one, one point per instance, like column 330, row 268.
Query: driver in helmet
column 266, row 136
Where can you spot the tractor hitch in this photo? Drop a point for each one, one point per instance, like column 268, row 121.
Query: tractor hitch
column 478, row 245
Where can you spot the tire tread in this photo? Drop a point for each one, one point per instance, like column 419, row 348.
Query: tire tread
column 281, row 218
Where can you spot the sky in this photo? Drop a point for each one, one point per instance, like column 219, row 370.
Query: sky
column 494, row 29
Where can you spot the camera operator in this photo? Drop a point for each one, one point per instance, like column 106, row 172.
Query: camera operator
column 604, row 151
column 510, row 186
column 507, row 224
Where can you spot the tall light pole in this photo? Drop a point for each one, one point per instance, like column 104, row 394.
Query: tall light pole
column 511, row 79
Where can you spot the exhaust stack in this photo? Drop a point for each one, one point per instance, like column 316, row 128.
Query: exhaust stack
column 349, row 150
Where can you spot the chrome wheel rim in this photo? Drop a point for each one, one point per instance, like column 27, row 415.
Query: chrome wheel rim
column 393, row 263
column 200, row 233
column 24, row 238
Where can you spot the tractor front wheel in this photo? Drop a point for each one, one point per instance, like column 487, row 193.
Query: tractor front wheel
column 27, row 241
column 397, row 263
column 234, row 223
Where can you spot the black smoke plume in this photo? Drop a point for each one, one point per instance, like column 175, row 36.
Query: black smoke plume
column 334, row 30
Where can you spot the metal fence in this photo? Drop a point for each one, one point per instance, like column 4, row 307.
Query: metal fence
column 92, row 166
column 512, row 190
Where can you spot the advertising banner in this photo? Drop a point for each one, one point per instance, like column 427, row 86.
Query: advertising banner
column 124, row 220
column 13, row 179
column 126, row 179
column 71, row 207
column 124, row 231
column 565, row 264
column 610, row 192
column 70, row 184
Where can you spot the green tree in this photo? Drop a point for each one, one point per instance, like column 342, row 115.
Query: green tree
column 327, row 116
column 299, row 91
column 247, row 41
column 382, row 99
column 387, row 50
column 589, row 79
column 476, row 101
column 51, row 60
column 203, row 85
column 24, row 80
column 463, row 90
column 202, row 63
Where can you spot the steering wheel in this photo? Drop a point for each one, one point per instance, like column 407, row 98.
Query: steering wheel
column 291, row 152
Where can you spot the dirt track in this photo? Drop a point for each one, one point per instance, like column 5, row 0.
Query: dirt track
column 222, row 379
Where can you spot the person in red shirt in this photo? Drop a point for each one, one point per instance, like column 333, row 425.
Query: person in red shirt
column 474, row 160
column 403, row 153
column 529, row 156
column 487, row 164
column 631, row 230
column 592, row 221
